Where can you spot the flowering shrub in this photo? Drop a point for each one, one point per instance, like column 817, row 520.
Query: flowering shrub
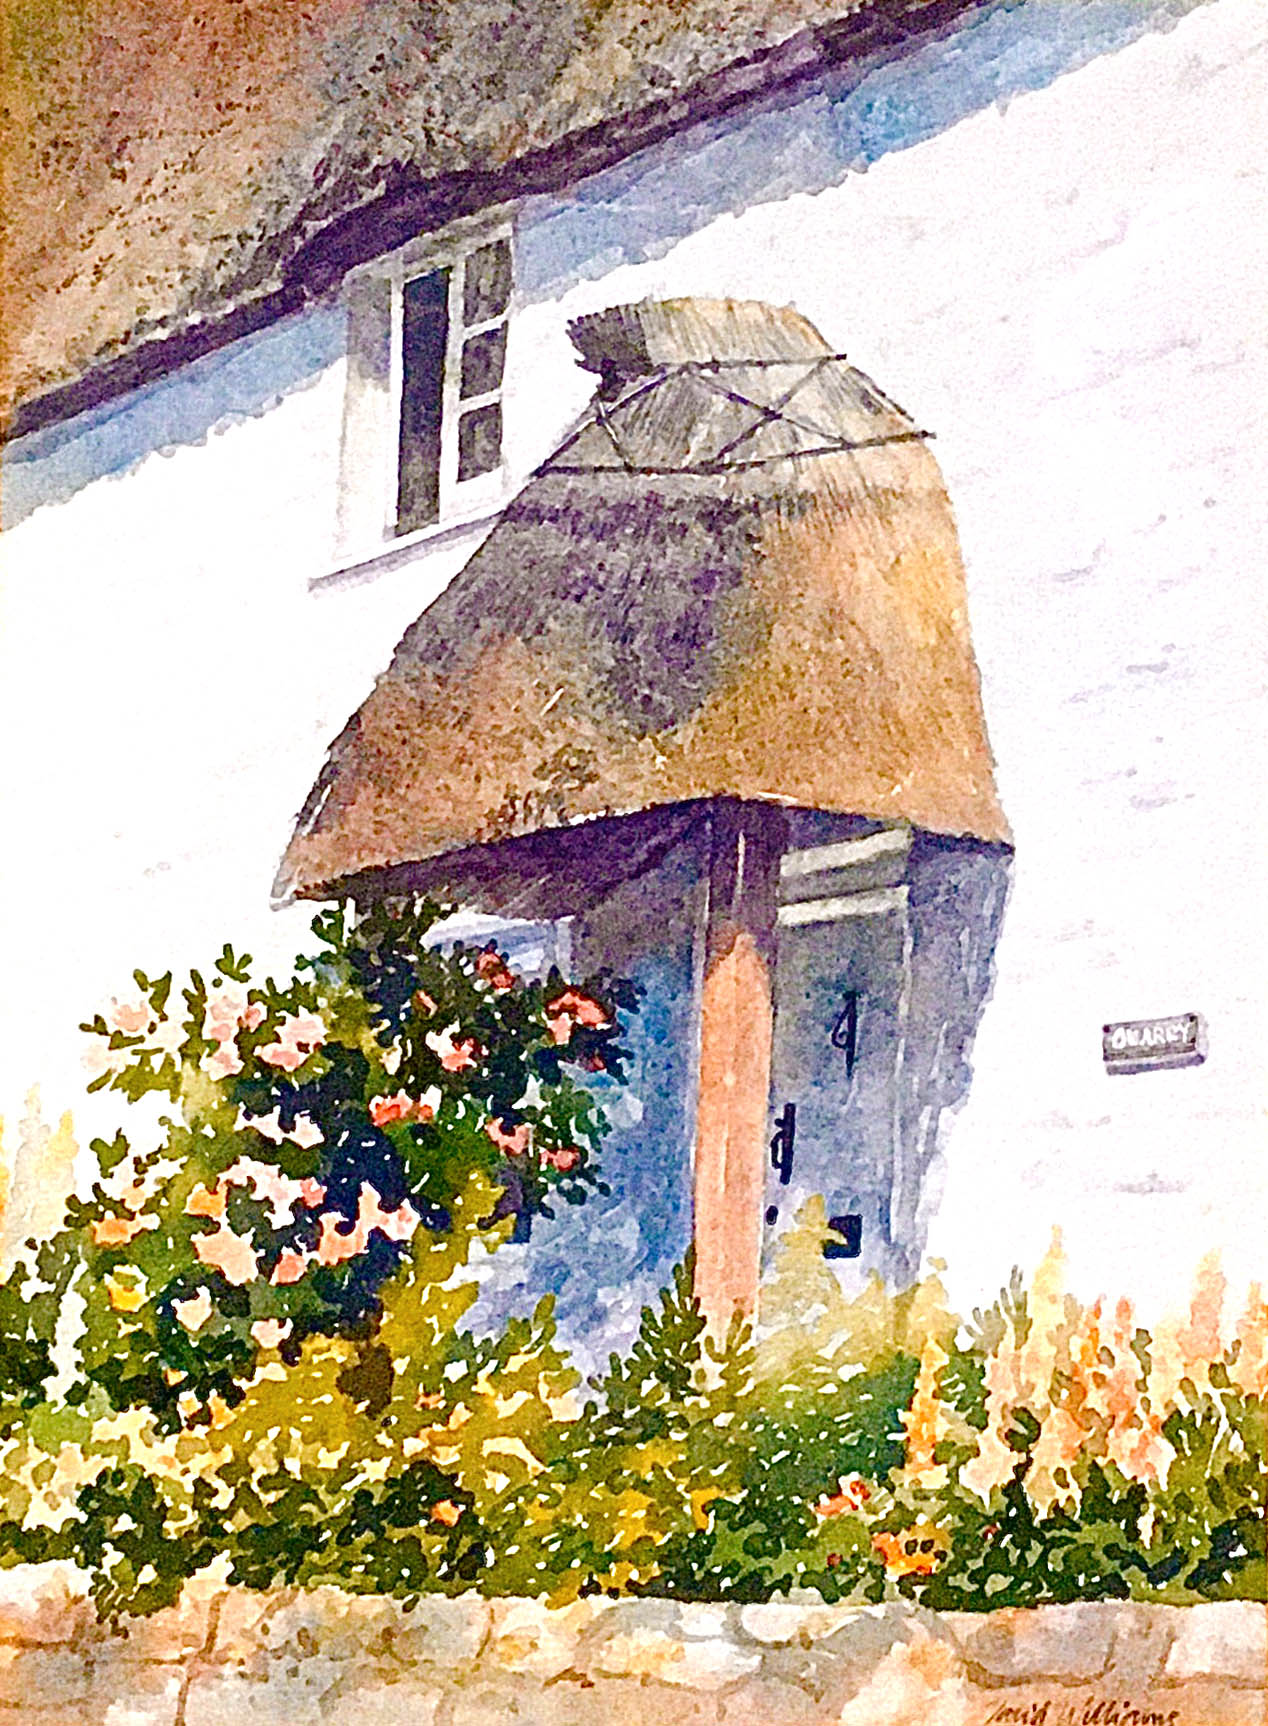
column 311, row 1130
column 274, row 1369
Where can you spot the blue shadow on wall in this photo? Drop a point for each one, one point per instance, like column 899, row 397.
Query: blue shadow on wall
column 236, row 383
column 806, row 142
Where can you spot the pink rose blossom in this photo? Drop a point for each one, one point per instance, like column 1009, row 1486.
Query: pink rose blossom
column 194, row 1312
column 386, row 1110
column 298, row 1035
column 491, row 968
column 133, row 1018
column 99, row 1058
column 515, row 1143
column 223, row 1062
column 268, row 1126
column 455, row 1053
column 226, row 1008
column 338, row 1243
column 565, row 1158
column 233, row 1256
column 269, row 1332
column 269, row 1186
column 573, row 1008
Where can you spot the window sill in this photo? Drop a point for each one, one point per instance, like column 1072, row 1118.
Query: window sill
column 397, row 552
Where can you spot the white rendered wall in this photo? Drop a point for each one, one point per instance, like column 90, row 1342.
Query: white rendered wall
column 1069, row 292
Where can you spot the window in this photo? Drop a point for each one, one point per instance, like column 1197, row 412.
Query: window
column 422, row 434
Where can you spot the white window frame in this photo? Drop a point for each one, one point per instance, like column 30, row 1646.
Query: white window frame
column 374, row 295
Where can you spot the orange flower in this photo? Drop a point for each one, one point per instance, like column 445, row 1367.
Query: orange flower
column 925, row 1420
column 565, row 1158
column 118, row 1231
column 385, row 1110
column 853, row 1495
column 206, row 1202
column 446, row 1511
column 491, row 968
column 423, row 1003
column 915, row 1551
column 573, row 1008
column 289, row 1268
column 455, row 1053
column 1249, row 1372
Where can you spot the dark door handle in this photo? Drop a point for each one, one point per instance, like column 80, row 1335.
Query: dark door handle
column 781, row 1145
column 845, row 1033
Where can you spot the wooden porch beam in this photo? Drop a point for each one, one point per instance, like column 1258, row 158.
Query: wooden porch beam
column 746, row 843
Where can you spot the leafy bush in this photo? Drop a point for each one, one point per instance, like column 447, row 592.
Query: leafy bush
column 276, row 1368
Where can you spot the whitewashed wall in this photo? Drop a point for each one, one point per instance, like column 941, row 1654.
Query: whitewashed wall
column 1067, row 287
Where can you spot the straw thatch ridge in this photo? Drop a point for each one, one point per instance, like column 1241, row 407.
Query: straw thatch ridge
column 739, row 578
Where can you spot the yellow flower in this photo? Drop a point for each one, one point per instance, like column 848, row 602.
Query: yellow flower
column 125, row 1296
column 926, row 1420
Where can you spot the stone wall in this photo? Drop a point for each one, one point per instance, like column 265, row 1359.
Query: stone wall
column 227, row 1656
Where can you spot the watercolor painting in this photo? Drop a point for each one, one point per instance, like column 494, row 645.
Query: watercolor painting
column 633, row 660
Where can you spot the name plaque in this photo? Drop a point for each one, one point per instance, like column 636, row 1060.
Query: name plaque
column 1149, row 1045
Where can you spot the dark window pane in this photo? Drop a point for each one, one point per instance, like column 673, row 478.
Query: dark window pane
column 486, row 291
column 479, row 441
column 483, row 357
column 424, row 333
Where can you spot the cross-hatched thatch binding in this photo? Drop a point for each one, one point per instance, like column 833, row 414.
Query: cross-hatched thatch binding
column 739, row 578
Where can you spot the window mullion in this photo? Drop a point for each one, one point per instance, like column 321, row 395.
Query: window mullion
column 451, row 387
column 396, row 389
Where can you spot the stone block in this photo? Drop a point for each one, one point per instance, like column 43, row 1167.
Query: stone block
column 44, row 1603
column 619, row 1702
column 527, row 1636
column 408, row 1702
column 762, row 1701
column 919, row 1682
column 243, row 1626
column 1223, row 1639
column 343, row 1626
column 131, row 1693
column 46, row 1676
column 1060, row 1642
column 705, row 1620
column 440, row 1633
column 665, row 1657
column 227, row 1698
column 172, row 1635
column 773, row 1622
column 1142, row 1639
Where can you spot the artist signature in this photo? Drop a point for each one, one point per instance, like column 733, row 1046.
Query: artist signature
column 1089, row 1711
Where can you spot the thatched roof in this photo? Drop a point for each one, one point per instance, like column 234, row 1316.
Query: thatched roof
column 739, row 578
column 187, row 172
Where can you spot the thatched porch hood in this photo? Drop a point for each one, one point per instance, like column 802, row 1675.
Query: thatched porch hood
column 739, row 578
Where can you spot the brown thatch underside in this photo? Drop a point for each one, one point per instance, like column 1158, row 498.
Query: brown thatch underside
column 696, row 615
